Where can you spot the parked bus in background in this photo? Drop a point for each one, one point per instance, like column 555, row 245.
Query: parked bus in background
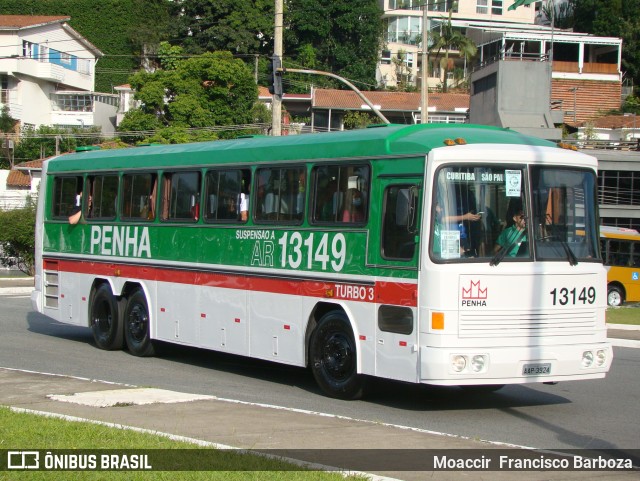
column 621, row 255
column 449, row 255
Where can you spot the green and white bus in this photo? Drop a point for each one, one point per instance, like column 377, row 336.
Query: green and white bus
column 437, row 254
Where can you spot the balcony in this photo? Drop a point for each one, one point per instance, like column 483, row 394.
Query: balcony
column 51, row 72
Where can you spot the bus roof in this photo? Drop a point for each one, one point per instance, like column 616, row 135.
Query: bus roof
column 379, row 141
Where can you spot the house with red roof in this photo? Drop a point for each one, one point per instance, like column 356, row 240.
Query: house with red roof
column 19, row 183
column 325, row 109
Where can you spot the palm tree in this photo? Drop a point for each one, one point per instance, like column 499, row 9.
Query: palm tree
column 449, row 38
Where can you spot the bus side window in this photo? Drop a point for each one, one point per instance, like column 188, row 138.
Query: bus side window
column 65, row 196
column 340, row 194
column 181, row 196
column 139, row 193
column 280, row 194
column 103, row 191
column 226, row 193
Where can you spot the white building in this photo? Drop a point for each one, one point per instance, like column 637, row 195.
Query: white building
column 403, row 24
column 47, row 74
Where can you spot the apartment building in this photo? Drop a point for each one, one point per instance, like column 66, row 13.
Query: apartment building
column 403, row 34
column 47, row 74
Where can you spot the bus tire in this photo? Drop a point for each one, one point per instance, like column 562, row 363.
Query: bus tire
column 105, row 319
column 333, row 357
column 137, row 326
column 615, row 296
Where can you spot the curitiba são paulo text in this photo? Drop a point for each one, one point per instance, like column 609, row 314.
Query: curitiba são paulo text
column 530, row 463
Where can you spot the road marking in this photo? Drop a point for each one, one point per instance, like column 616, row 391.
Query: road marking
column 128, row 397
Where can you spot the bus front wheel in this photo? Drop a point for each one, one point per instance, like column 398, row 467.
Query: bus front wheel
column 333, row 357
column 105, row 321
column 615, row 296
column 137, row 330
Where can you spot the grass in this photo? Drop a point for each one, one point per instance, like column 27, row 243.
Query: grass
column 29, row 431
column 627, row 314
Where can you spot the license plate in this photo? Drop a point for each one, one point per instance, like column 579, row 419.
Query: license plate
column 536, row 369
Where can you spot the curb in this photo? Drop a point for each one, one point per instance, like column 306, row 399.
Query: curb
column 12, row 291
column 624, row 327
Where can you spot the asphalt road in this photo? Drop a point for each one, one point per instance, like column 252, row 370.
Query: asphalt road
column 595, row 414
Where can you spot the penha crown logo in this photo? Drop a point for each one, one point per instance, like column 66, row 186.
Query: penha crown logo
column 474, row 291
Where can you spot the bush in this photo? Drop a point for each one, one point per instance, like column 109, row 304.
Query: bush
column 17, row 237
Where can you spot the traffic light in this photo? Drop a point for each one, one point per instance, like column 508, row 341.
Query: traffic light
column 275, row 76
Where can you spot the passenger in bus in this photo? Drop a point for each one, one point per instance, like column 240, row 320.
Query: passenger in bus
column 76, row 212
column 353, row 206
column 514, row 235
column 326, row 195
column 450, row 222
column 243, row 198
column 195, row 206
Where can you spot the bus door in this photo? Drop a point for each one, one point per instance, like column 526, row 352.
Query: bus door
column 394, row 250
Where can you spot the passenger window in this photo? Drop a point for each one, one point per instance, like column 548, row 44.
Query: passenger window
column 227, row 195
column 103, row 191
column 341, row 194
column 67, row 195
column 181, row 196
column 280, row 194
column 620, row 253
column 139, row 192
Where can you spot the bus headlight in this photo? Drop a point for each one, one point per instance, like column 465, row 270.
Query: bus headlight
column 601, row 357
column 458, row 363
column 587, row 359
column 478, row 362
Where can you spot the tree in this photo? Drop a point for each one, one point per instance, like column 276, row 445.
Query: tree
column 345, row 36
column 46, row 141
column 239, row 26
column 561, row 13
column 631, row 105
column 7, row 124
column 613, row 18
column 451, row 38
column 213, row 89
column 358, row 120
column 17, row 237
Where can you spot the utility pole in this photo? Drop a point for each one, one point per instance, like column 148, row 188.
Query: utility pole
column 424, row 87
column 276, row 102
column 575, row 107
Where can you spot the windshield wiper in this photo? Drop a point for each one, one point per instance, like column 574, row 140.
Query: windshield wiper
column 503, row 252
column 573, row 260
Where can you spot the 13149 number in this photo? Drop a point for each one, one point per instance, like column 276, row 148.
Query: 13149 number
column 564, row 296
column 296, row 250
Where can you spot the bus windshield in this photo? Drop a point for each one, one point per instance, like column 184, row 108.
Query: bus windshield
column 564, row 214
column 493, row 214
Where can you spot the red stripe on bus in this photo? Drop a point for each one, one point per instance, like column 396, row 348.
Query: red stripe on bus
column 384, row 292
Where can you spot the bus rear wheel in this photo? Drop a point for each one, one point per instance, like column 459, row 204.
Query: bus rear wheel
column 137, row 330
column 333, row 357
column 105, row 321
column 615, row 297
